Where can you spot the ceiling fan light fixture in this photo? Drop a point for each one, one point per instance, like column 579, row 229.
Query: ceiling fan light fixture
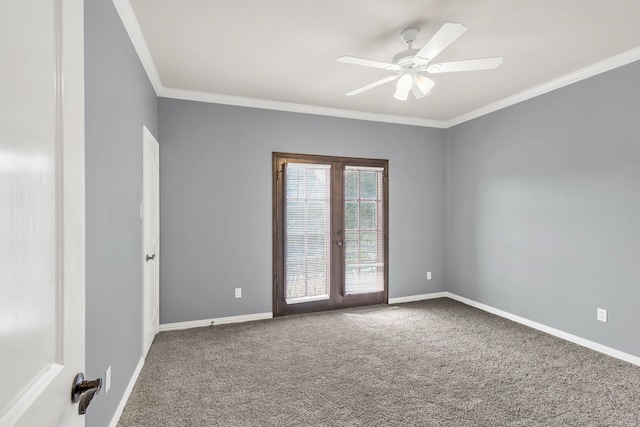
column 403, row 87
column 404, row 82
column 417, row 93
column 401, row 95
column 424, row 84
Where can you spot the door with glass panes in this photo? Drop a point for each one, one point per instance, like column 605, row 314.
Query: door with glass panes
column 330, row 232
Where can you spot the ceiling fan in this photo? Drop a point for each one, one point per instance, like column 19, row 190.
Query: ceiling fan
column 409, row 64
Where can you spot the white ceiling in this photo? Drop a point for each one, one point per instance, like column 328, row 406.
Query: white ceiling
column 285, row 50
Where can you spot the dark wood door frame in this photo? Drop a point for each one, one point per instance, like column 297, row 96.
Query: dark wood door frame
column 338, row 299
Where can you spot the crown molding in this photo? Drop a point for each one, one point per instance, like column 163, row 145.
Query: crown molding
column 131, row 25
column 189, row 95
column 584, row 73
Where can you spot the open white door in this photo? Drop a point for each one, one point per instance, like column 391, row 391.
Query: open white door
column 150, row 237
column 42, row 210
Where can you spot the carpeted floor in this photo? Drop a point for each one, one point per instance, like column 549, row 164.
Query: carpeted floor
column 428, row 363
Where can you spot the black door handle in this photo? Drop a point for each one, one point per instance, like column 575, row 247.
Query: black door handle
column 150, row 257
column 83, row 391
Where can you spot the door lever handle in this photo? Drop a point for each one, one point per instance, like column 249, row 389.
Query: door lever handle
column 150, row 257
column 83, row 391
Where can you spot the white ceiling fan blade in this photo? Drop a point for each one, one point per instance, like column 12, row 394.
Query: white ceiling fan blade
column 366, row 62
column 468, row 65
column 372, row 85
column 446, row 35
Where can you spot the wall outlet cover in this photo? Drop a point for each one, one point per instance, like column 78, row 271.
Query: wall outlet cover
column 428, row 275
column 238, row 292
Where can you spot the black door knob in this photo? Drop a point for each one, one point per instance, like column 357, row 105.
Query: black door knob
column 83, row 391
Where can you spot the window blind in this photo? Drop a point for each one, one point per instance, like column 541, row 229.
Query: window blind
column 364, row 229
column 307, row 232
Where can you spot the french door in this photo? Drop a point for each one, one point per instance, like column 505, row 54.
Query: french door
column 330, row 232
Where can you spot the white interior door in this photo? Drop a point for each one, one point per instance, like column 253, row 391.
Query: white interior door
column 151, row 237
column 42, row 333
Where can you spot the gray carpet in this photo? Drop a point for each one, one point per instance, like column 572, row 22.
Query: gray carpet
column 429, row 363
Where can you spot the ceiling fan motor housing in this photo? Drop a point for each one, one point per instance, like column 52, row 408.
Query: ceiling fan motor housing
column 407, row 60
column 409, row 34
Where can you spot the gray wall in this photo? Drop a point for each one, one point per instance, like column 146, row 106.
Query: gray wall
column 543, row 208
column 119, row 100
column 215, row 201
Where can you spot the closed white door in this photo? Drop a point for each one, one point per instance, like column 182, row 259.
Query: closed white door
column 41, row 211
column 151, row 237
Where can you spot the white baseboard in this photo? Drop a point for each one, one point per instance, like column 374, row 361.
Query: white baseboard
column 260, row 316
column 410, row 298
column 549, row 330
column 214, row 321
column 127, row 393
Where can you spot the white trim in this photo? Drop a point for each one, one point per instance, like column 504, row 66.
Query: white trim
column 549, row 330
column 410, row 298
column 131, row 25
column 127, row 393
column 214, row 321
column 146, row 133
column 584, row 73
column 28, row 396
column 213, row 98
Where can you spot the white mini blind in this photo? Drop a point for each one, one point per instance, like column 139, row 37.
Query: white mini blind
column 364, row 229
column 307, row 240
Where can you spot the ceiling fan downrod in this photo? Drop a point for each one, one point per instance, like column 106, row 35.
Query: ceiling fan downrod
column 409, row 36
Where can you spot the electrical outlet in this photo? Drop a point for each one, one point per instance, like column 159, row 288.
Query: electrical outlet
column 428, row 275
column 238, row 292
column 602, row 315
column 107, row 380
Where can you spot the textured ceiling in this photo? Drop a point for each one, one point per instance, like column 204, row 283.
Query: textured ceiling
column 285, row 50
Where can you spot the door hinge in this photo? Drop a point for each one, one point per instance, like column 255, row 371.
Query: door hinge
column 278, row 174
column 278, row 233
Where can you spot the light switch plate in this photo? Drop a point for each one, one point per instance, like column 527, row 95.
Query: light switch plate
column 107, row 380
column 602, row 315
